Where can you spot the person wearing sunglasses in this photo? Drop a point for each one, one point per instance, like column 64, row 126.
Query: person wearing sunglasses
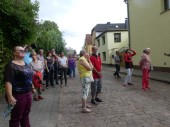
column 19, row 88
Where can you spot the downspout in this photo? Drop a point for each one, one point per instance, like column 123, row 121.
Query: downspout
column 126, row 1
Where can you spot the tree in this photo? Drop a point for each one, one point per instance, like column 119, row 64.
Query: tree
column 49, row 37
column 18, row 21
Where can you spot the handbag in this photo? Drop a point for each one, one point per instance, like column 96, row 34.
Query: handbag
column 89, row 79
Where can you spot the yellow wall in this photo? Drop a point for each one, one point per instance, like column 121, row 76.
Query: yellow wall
column 93, row 37
column 89, row 49
column 150, row 28
column 110, row 46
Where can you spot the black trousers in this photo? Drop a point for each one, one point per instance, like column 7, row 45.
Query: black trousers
column 50, row 77
column 117, row 66
column 56, row 72
column 63, row 72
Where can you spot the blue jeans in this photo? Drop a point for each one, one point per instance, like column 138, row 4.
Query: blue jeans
column 72, row 71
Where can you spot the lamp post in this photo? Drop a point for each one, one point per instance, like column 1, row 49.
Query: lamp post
column 127, row 2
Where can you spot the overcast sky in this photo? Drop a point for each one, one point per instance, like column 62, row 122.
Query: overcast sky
column 76, row 18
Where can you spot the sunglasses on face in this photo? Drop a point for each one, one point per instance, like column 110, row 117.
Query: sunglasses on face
column 21, row 51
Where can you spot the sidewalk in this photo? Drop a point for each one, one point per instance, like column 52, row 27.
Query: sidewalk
column 154, row 75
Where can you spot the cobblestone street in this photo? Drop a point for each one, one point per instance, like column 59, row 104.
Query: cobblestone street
column 122, row 107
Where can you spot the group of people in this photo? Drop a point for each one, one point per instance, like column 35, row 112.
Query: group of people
column 144, row 64
column 90, row 71
column 24, row 75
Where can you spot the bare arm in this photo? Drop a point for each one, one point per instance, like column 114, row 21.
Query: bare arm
column 32, row 50
column 89, row 66
column 10, row 98
column 45, row 62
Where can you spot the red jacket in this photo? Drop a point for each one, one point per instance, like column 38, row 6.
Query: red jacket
column 37, row 79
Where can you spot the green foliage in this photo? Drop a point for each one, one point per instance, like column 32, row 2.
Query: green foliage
column 19, row 26
column 49, row 37
column 18, row 21
column 5, row 55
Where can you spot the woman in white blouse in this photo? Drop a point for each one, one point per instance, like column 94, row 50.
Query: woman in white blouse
column 63, row 65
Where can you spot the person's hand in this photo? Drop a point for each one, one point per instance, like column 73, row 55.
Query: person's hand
column 11, row 100
column 34, row 90
column 48, row 70
column 99, row 73
column 87, row 57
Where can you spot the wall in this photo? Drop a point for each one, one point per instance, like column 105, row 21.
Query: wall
column 110, row 46
column 149, row 27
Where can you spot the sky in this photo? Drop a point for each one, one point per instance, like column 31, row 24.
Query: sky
column 76, row 18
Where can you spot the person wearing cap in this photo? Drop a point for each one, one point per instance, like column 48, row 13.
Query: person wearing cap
column 129, row 66
column 145, row 65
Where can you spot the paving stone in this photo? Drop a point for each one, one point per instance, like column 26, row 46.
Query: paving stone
column 122, row 107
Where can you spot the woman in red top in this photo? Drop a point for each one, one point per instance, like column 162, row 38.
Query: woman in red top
column 129, row 66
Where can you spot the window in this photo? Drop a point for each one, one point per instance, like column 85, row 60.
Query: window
column 117, row 37
column 103, row 40
column 98, row 42
column 166, row 5
column 104, row 56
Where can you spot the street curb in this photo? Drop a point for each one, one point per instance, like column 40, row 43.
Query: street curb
column 136, row 75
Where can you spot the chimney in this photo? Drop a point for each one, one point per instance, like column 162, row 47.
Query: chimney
column 108, row 23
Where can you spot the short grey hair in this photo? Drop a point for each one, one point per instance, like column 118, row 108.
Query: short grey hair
column 82, row 52
column 146, row 50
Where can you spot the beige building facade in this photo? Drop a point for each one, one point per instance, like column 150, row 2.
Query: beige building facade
column 149, row 27
column 88, row 44
column 109, row 42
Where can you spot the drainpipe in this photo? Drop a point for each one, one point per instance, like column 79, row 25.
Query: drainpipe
column 126, row 2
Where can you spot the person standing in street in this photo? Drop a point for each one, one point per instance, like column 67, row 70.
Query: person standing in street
column 129, row 66
column 37, row 68
column 145, row 65
column 63, row 65
column 56, row 64
column 40, row 56
column 85, row 70
column 49, row 70
column 97, row 75
column 117, row 60
column 27, row 57
column 19, row 88
column 72, row 66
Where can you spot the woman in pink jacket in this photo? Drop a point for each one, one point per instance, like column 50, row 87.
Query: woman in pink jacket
column 145, row 65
